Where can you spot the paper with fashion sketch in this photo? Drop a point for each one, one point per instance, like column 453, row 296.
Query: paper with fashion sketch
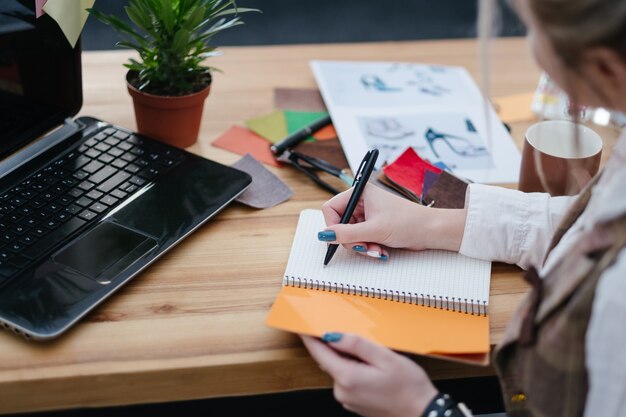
column 437, row 110
column 266, row 190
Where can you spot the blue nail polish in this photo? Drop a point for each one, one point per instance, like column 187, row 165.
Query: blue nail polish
column 359, row 248
column 384, row 258
column 327, row 236
column 331, row 337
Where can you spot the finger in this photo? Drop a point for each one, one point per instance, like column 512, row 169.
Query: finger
column 343, row 397
column 366, row 231
column 358, row 247
column 333, row 209
column 373, row 250
column 362, row 349
column 329, row 359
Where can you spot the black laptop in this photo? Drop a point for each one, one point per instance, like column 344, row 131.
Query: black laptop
column 87, row 207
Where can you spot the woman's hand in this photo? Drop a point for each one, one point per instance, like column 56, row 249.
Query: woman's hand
column 383, row 219
column 370, row 379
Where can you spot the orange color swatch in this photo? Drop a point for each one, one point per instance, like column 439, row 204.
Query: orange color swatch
column 515, row 108
column 326, row 133
column 400, row 326
column 240, row 140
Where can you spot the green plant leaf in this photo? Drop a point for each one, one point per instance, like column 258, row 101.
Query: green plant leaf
column 220, row 26
column 138, row 18
column 173, row 38
column 180, row 44
column 167, row 15
column 195, row 18
column 235, row 11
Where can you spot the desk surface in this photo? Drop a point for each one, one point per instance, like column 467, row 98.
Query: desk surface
column 192, row 325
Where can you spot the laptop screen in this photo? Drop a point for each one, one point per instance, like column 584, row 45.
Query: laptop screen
column 40, row 75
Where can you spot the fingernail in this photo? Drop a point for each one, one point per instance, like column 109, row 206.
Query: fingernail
column 384, row 258
column 373, row 253
column 331, row 337
column 327, row 236
column 359, row 248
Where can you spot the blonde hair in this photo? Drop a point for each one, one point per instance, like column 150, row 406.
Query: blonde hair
column 575, row 25
column 571, row 26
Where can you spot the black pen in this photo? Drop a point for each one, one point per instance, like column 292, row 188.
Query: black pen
column 360, row 181
column 298, row 136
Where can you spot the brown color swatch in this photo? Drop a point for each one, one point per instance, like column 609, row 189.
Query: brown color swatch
column 298, row 99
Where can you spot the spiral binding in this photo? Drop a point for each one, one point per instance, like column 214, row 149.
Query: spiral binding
column 467, row 306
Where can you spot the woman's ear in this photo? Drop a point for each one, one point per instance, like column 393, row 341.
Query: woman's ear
column 604, row 70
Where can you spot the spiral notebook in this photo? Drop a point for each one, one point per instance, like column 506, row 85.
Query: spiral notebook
column 430, row 302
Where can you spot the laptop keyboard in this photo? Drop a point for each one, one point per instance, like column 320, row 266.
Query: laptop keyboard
column 76, row 189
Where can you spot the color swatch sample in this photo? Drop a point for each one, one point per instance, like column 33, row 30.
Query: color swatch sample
column 240, row 140
column 327, row 150
column 298, row 99
column 278, row 124
column 272, row 127
column 297, row 120
column 266, row 190
column 408, row 171
column 448, row 191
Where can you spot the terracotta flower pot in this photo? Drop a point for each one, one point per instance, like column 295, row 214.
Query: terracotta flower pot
column 171, row 119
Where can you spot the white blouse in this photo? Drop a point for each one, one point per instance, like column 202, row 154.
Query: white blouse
column 514, row 227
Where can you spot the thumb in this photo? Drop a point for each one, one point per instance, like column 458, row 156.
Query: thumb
column 355, row 232
column 359, row 347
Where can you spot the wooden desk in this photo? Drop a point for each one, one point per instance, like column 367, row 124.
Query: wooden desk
column 192, row 325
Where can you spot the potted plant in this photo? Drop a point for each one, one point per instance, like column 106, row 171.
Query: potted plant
column 169, row 82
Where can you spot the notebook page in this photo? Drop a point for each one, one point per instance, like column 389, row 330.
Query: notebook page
column 432, row 274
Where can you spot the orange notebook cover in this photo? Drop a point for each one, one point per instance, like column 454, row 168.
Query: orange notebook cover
column 421, row 322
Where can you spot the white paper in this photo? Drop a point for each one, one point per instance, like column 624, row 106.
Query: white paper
column 437, row 110
column 433, row 274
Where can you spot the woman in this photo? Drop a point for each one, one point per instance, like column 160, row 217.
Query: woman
column 563, row 353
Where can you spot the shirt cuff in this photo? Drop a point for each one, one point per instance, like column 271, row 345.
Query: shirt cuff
column 506, row 225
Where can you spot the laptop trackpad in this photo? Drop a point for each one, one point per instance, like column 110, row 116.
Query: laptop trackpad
column 105, row 251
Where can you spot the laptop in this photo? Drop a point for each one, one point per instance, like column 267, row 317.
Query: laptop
column 87, row 206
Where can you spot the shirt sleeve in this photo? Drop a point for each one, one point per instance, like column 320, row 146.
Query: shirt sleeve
column 605, row 341
column 510, row 226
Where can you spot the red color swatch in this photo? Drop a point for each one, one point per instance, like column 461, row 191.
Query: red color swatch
column 409, row 170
